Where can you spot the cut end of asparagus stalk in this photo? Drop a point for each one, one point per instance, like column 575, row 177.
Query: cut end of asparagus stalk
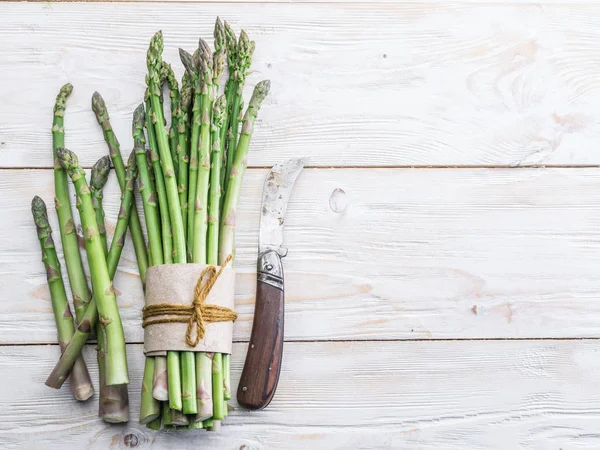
column 100, row 172
column 61, row 99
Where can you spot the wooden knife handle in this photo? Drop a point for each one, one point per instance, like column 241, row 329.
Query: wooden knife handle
column 263, row 360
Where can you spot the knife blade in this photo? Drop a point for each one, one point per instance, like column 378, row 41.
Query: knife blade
column 260, row 374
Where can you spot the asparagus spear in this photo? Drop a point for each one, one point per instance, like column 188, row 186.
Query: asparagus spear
column 226, row 378
column 167, row 73
column 185, row 100
column 81, row 384
column 160, row 389
column 98, row 179
column 89, row 318
column 153, row 61
column 188, row 383
column 237, row 171
column 204, row 385
column 217, row 387
column 214, row 200
column 150, row 407
column 68, row 236
column 137, row 235
column 146, row 189
column 113, row 401
column 174, row 381
column 191, row 66
column 159, row 183
column 201, row 201
column 116, row 363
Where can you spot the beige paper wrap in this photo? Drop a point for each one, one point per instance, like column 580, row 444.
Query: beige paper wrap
column 175, row 284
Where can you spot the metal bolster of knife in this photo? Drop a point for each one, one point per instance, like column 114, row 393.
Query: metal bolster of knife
column 270, row 268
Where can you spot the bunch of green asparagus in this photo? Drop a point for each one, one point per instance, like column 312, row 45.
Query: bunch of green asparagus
column 182, row 176
column 189, row 175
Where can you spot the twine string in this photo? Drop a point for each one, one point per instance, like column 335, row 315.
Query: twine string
column 196, row 315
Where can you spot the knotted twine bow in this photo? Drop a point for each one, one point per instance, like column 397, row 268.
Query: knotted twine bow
column 196, row 314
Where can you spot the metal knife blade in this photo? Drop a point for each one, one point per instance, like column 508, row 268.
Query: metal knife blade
column 260, row 375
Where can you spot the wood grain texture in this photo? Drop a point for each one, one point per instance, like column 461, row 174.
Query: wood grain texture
column 357, row 84
column 427, row 253
column 414, row 395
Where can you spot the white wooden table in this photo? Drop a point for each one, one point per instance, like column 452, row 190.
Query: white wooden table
column 453, row 304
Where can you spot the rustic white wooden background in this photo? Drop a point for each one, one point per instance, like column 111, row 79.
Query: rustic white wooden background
column 453, row 303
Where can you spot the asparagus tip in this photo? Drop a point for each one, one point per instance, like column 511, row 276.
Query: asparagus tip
column 99, row 174
column 98, row 105
column 38, row 209
column 260, row 92
column 67, row 158
column 188, row 61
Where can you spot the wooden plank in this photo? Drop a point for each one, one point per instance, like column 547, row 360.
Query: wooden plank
column 431, row 253
column 415, row 395
column 362, row 84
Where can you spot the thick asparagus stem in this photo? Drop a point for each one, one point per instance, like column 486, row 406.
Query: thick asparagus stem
column 159, row 183
column 62, row 201
column 201, row 201
column 145, row 187
column 174, row 374
column 217, row 387
column 188, row 383
column 153, row 61
column 192, row 68
column 98, row 179
column 237, row 171
column 214, row 197
column 204, row 390
column 160, row 390
column 81, row 384
column 137, row 235
column 114, row 400
column 167, row 74
column 226, row 377
column 183, row 119
column 108, row 312
column 150, row 407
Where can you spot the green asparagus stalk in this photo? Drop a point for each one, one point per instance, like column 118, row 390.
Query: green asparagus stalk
column 183, row 119
column 214, row 200
column 237, row 171
column 137, row 235
column 127, row 204
column 160, row 390
column 174, row 381
column 188, row 383
column 155, row 424
column 201, row 201
column 168, row 74
column 217, row 387
column 98, row 179
column 146, row 189
column 159, row 183
column 114, row 400
column 62, row 201
column 204, row 385
column 81, row 384
column 116, row 362
column 226, row 377
column 150, row 407
column 153, row 61
column 192, row 68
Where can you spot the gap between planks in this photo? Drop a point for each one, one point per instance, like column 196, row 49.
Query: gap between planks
column 341, row 341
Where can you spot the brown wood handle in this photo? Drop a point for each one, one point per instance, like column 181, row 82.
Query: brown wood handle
column 263, row 359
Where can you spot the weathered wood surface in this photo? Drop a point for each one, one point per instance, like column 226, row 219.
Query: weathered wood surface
column 417, row 253
column 358, row 84
column 463, row 395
